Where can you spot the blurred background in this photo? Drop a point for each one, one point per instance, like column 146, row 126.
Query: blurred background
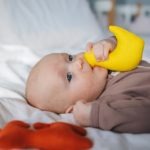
column 133, row 15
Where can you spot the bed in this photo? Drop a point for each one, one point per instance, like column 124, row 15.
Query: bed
column 28, row 31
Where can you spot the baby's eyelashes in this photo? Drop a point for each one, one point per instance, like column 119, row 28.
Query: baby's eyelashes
column 69, row 76
column 70, row 57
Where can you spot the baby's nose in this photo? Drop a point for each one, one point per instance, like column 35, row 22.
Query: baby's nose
column 78, row 64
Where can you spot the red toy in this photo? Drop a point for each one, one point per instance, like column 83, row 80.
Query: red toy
column 53, row 136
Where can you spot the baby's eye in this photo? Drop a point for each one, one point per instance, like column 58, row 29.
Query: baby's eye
column 69, row 76
column 70, row 57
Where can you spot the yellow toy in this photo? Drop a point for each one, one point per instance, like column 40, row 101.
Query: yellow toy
column 127, row 54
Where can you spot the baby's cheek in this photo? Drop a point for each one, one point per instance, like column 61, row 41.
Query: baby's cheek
column 88, row 86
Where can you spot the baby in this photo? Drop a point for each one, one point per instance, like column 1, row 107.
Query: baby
column 61, row 83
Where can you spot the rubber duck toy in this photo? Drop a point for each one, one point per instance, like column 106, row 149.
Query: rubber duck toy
column 127, row 54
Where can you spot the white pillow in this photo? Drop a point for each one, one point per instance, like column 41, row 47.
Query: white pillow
column 48, row 25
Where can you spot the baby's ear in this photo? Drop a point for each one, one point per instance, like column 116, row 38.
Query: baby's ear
column 69, row 109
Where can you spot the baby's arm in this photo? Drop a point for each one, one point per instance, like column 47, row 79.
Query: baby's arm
column 119, row 113
column 102, row 48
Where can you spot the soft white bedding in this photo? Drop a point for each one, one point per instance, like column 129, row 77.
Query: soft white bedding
column 16, row 60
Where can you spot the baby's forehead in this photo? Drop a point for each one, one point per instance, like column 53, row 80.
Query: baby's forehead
column 51, row 60
column 53, row 68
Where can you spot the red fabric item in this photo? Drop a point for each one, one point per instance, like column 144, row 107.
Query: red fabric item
column 43, row 136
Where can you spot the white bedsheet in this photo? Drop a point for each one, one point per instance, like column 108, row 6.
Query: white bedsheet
column 15, row 64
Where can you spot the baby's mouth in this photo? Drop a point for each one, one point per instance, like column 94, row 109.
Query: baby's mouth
column 86, row 67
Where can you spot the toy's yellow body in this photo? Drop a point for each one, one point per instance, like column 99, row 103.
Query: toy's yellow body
column 127, row 54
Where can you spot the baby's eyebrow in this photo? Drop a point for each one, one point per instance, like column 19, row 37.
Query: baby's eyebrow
column 67, row 55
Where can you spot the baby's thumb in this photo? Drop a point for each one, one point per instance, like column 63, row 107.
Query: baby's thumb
column 99, row 52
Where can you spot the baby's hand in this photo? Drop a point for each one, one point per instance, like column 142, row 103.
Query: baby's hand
column 102, row 48
column 81, row 113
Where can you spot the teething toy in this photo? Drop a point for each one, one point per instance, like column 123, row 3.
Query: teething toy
column 127, row 54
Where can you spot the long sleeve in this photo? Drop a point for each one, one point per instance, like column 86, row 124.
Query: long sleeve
column 124, row 105
column 122, row 113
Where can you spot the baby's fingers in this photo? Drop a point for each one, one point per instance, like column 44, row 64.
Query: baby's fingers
column 106, row 53
column 99, row 52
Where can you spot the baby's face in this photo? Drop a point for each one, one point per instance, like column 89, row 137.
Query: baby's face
column 66, row 79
